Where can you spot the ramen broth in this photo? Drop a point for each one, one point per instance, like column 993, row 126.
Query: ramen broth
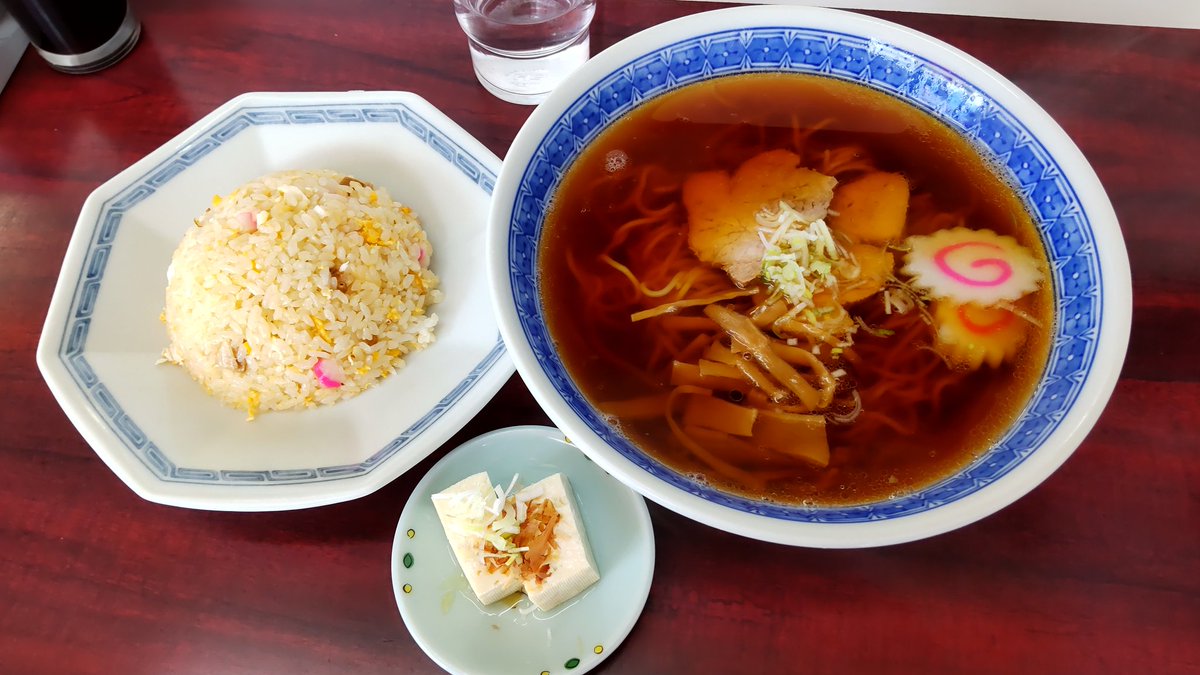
column 632, row 174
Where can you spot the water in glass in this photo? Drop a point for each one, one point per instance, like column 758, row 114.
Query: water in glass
column 521, row 49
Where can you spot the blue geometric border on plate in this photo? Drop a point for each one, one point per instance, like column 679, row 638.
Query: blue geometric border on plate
column 1065, row 230
column 71, row 349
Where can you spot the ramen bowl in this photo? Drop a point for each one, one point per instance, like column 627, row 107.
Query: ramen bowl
column 1087, row 264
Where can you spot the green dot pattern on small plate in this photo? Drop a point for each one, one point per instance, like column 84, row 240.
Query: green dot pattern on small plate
column 408, row 560
column 573, row 663
column 411, row 533
column 407, row 588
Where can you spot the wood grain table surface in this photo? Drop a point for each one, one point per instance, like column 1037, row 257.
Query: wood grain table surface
column 1097, row 570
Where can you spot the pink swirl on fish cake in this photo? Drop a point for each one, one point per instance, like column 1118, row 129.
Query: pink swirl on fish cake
column 1002, row 266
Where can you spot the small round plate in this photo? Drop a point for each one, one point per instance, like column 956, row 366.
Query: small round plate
column 512, row 636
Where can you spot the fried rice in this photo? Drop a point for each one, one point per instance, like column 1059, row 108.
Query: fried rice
column 300, row 288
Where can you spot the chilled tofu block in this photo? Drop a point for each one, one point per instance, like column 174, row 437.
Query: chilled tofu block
column 558, row 573
column 463, row 509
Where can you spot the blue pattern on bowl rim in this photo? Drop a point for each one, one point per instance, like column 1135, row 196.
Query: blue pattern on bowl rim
column 1065, row 229
column 71, row 348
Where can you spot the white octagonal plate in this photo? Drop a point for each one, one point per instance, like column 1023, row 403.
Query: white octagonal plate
column 154, row 426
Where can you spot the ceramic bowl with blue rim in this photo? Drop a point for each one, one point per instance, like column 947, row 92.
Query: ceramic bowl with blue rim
column 1089, row 268
column 153, row 425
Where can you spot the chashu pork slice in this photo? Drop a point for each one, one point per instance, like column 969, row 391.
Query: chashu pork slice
column 722, row 208
column 462, row 510
column 571, row 567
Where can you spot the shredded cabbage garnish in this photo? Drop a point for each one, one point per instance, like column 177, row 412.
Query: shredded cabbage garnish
column 492, row 515
column 798, row 256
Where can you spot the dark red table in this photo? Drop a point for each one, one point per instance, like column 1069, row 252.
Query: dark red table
column 1098, row 570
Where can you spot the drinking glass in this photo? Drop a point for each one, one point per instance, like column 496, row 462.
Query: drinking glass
column 522, row 49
